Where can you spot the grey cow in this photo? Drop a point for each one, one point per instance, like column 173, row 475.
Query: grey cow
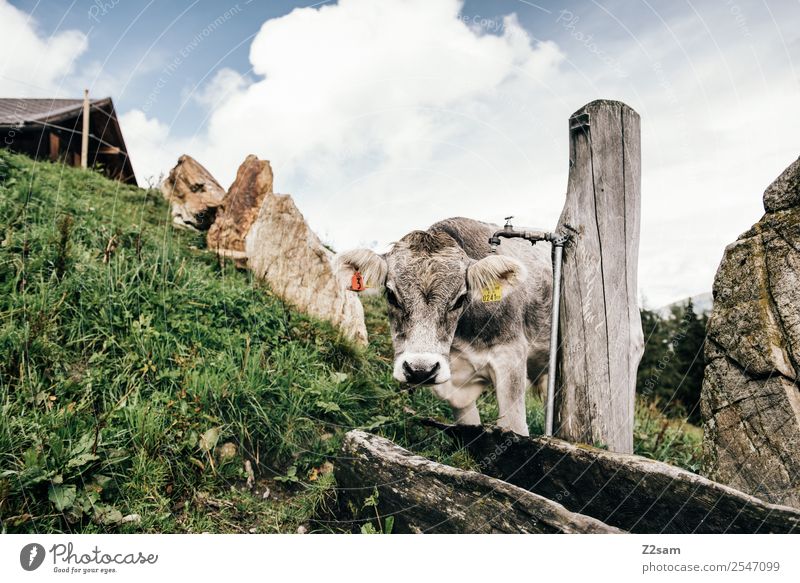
column 462, row 317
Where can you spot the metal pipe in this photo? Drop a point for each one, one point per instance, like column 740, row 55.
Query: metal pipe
column 558, row 255
column 558, row 241
column 508, row 232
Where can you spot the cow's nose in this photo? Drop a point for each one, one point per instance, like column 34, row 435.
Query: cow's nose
column 422, row 375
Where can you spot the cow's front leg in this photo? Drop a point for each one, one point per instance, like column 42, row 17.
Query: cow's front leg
column 510, row 384
column 461, row 398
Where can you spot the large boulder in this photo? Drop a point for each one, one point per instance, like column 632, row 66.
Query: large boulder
column 751, row 396
column 285, row 252
column 193, row 194
column 784, row 193
column 240, row 208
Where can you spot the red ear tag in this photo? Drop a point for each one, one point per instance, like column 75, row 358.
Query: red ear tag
column 357, row 283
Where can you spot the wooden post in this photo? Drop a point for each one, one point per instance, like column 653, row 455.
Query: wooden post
column 85, row 133
column 600, row 336
column 55, row 145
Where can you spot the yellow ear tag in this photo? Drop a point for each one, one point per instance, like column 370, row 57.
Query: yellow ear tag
column 492, row 293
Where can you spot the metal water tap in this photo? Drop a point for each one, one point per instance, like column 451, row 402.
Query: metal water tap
column 508, row 232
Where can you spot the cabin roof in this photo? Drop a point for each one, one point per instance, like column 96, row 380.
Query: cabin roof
column 19, row 111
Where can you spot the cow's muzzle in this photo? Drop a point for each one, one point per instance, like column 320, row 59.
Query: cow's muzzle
column 420, row 376
column 421, row 368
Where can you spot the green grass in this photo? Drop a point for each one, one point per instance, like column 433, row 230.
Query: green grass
column 129, row 356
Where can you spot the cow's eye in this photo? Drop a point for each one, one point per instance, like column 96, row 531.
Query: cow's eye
column 459, row 302
column 392, row 298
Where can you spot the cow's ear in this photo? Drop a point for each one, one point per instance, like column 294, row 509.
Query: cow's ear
column 494, row 276
column 369, row 264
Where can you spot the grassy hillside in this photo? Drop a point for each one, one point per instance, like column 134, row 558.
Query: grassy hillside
column 138, row 375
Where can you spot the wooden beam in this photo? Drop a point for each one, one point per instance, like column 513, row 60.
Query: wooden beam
column 425, row 496
column 601, row 339
column 55, row 143
column 629, row 492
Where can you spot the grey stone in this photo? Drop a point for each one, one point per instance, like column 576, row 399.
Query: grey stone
column 784, row 192
column 751, row 396
column 193, row 194
column 282, row 250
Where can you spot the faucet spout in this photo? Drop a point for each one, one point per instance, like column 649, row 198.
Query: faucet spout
column 508, row 232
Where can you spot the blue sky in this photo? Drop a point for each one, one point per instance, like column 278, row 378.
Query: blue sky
column 382, row 116
column 134, row 41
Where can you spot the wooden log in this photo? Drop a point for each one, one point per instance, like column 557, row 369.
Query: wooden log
column 600, row 331
column 630, row 492
column 426, row 496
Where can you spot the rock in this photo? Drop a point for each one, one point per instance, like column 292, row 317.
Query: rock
column 267, row 233
column 193, row 194
column 285, row 252
column 131, row 519
column 784, row 192
column 426, row 496
column 239, row 209
column 751, row 397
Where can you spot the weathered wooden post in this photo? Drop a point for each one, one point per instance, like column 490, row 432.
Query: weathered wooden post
column 600, row 336
column 85, row 132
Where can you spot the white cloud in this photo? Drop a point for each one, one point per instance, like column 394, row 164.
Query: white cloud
column 150, row 150
column 32, row 65
column 224, row 84
column 381, row 117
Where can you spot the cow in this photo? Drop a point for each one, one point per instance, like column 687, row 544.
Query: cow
column 463, row 317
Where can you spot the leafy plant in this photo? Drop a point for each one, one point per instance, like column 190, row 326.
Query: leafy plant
column 383, row 527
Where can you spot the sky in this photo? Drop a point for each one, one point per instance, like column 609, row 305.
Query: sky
column 384, row 116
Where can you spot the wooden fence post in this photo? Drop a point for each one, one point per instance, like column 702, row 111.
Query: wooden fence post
column 600, row 335
column 85, row 132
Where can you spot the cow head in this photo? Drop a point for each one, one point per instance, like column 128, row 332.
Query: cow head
column 429, row 282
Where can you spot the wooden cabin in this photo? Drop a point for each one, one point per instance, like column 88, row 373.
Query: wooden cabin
column 51, row 129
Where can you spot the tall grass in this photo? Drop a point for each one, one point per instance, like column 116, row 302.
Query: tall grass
column 129, row 356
